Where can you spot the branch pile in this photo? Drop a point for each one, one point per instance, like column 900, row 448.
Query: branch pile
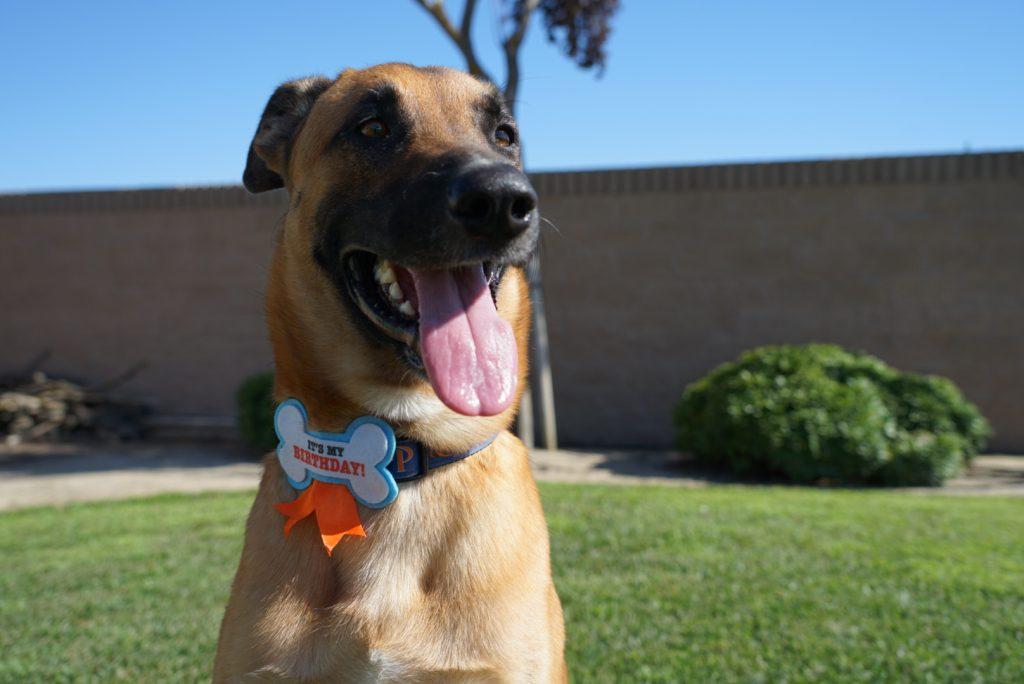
column 34, row 407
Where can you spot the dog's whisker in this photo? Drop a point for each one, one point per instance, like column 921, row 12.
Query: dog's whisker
column 545, row 220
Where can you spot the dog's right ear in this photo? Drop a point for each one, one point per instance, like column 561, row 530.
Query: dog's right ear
column 267, row 165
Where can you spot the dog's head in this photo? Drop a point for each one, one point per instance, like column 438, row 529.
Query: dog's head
column 398, row 275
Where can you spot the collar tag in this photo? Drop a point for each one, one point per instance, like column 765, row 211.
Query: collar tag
column 357, row 457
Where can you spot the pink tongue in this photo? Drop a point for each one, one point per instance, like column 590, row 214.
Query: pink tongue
column 469, row 352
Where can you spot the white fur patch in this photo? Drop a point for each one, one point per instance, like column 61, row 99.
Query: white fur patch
column 388, row 668
column 401, row 404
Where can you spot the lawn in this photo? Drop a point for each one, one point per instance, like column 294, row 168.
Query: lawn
column 659, row 584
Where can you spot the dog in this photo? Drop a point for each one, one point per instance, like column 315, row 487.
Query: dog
column 397, row 291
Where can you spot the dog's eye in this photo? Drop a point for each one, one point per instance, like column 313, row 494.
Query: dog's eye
column 505, row 136
column 373, row 128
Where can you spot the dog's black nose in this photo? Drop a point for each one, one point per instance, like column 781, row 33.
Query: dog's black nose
column 493, row 201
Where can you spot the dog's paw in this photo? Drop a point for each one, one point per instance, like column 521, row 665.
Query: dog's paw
column 357, row 457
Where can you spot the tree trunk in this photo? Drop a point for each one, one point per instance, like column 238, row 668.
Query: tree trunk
column 541, row 367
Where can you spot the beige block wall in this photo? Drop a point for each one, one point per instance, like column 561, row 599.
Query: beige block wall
column 652, row 278
column 648, row 291
column 178, row 288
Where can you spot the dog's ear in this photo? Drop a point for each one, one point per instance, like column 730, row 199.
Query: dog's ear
column 287, row 108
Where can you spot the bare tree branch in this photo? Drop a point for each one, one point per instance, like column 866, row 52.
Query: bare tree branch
column 461, row 38
column 511, row 45
column 467, row 17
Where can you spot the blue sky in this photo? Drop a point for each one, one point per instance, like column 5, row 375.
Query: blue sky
column 134, row 94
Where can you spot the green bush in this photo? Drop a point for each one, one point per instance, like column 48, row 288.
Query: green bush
column 817, row 413
column 255, row 401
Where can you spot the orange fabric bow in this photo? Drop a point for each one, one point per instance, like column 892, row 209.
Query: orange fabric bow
column 336, row 512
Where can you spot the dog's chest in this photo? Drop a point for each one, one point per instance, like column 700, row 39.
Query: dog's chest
column 410, row 600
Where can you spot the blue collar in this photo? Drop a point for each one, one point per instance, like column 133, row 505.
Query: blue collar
column 367, row 456
column 414, row 460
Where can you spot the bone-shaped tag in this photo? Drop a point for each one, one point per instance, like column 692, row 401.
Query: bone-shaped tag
column 357, row 457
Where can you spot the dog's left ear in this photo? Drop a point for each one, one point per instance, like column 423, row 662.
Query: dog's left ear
column 267, row 165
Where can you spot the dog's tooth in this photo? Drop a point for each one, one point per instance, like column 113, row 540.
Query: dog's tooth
column 395, row 291
column 407, row 309
column 384, row 273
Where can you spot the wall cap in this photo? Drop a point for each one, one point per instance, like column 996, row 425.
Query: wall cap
column 929, row 169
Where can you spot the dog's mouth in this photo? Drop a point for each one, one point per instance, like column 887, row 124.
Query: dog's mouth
column 446, row 325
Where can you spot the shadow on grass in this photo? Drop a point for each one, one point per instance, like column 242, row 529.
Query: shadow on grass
column 71, row 458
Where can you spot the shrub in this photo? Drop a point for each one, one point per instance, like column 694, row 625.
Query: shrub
column 255, row 401
column 817, row 413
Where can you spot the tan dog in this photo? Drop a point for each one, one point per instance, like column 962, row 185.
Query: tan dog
column 396, row 290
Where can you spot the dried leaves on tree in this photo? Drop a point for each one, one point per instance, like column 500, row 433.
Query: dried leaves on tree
column 580, row 27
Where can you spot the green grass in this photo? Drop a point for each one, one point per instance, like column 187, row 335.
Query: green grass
column 726, row 584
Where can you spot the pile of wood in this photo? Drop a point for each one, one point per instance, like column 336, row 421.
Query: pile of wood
column 34, row 407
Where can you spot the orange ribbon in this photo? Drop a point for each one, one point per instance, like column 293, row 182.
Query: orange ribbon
column 336, row 512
